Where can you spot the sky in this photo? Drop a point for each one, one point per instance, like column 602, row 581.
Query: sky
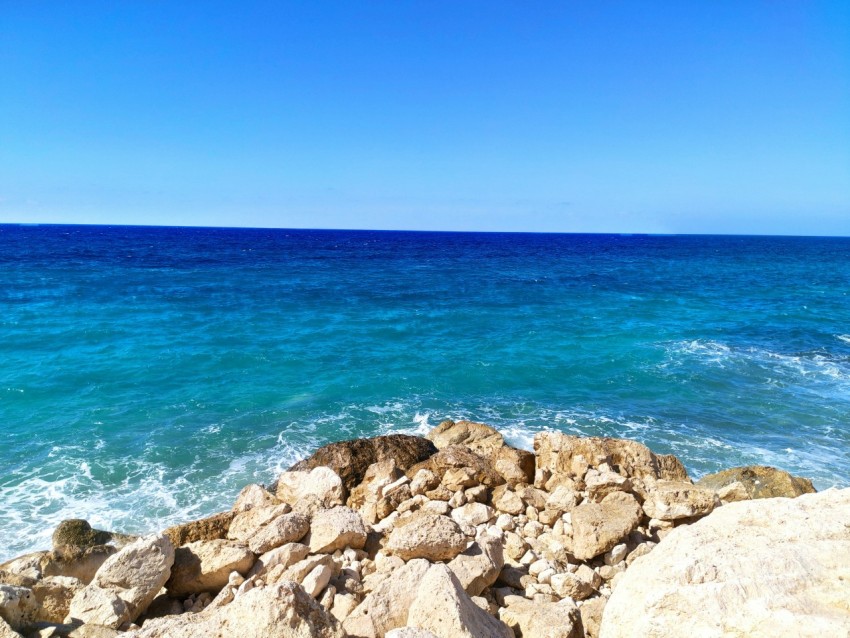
column 659, row 117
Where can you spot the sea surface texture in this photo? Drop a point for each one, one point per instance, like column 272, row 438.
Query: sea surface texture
column 147, row 374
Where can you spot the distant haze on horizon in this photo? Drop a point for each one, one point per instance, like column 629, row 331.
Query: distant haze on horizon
column 637, row 117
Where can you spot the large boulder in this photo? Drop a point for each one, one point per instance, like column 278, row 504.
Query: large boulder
column 126, row 583
column 75, row 535
column 206, row 565
column 764, row 568
column 351, row 459
column 206, row 529
column 287, row 528
column 283, row 610
column 335, row 529
column 443, row 608
column 82, row 565
column 759, row 481
column 386, row 607
column 320, row 486
column 453, row 457
column 249, row 522
column 543, row 620
column 479, row 565
column 598, row 527
column 557, row 452
column 53, row 596
column 424, row 535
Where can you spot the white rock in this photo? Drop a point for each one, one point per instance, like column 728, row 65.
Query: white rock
column 472, row 514
column 321, row 484
column 335, row 529
column 206, row 566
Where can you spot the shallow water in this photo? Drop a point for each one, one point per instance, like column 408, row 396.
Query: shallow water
column 147, row 374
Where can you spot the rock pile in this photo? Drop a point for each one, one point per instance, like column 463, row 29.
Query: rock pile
column 455, row 535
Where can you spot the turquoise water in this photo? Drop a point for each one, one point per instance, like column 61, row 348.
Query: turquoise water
column 147, row 374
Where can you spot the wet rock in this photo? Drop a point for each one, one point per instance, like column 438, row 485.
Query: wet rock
column 351, row 459
column 759, row 481
column 74, row 535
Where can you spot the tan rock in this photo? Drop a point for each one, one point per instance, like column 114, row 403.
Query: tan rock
column 472, row 514
column 252, row 496
column 424, row 535
column 506, row 500
column 762, row 568
column 674, row 500
column 321, row 483
column 378, row 475
column 556, row 453
column 515, row 466
column 759, row 481
column 442, row 607
column 424, row 481
column 477, row 437
column 205, row 566
column 591, row 615
column 249, row 522
column 598, row 527
column 455, row 456
column 479, row 565
column 288, row 528
column 299, row 571
column 386, row 607
column 732, row 493
column 410, row 632
column 318, row 578
column 126, row 583
column 336, row 528
column 571, row 585
column 283, row 610
column 18, row 606
column 80, row 565
column 285, row 555
column 206, row 529
column 6, row 630
column 53, row 596
column 543, row 619
column 600, row 484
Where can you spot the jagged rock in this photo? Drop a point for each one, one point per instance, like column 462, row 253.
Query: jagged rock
column 283, row 610
column 206, row 565
column 53, row 596
column 386, row 607
column 351, row 459
column 777, row 567
column 300, row 570
column 472, row 514
column 321, row 485
column 443, row 608
column 506, row 500
column 543, row 620
column 456, row 456
column 285, row 555
column 591, row 615
column 598, row 527
column 254, row 495
column 6, row 631
column 206, row 529
column 318, row 578
column 477, row 437
column 335, row 529
column 249, row 522
column 600, row 484
column 556, row 453
column 25, row 570
column 288, row 528
column 424, row 481
column 515, row 466
column 759, row 481
column 571, row 585
column 428, row 536
column 673, row 500
column 479, row 565
column 377, row 477
column 82, row 565
column 126, row 583
column 18, row 606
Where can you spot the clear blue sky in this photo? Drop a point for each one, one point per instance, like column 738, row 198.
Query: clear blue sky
column 685, row 116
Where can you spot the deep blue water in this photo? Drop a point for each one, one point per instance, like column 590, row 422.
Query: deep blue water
column 147, row 374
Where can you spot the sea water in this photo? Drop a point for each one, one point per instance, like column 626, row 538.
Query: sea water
column 147, row 374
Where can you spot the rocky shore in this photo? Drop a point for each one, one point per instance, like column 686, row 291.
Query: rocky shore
column 460, row 535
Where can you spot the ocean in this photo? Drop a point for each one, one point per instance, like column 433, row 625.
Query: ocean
column 147, row 374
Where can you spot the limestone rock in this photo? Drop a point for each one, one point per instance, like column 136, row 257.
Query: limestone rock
column 673, row 500
column 6, row 631
column 556, row 452
column 479, row 565
column 206, row 529
column 335, row 529
column 598, row 527
column 53, row 596
column 543, row 620
column 283, row 610
column 249, row 522
column 254, row 495
column 82, row 565
column 456, row 456
column 321, row 485
column 472, row 514
column 285, row 555
column 351, row 459
column 424, row 481
column 75, row 535
column 125, row 584
column 515, row 466
column 206, row 565
column 759, row 481
column 18, row 606
column 477, row 437
column 424, row 535
column 508, row 501
column 377, row 477
column 591, row 615
column 410, row 632
column 443, row 608
column 288, row 528
column 386, row 607
column 762, row 568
